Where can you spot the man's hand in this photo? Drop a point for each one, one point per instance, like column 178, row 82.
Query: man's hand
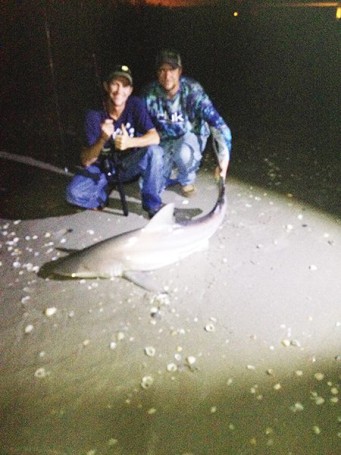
column 122, row 141
column 221, row 170
column 107, row 128
column 90, row 154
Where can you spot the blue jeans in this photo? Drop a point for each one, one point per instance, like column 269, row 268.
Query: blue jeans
column 90, row 187
column 184, row 154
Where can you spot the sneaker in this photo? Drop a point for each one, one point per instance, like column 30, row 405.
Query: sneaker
column 100, row 207
column 188, row 190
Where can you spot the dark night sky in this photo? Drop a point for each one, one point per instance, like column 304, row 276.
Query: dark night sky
column 279, row 62
column 274, row 76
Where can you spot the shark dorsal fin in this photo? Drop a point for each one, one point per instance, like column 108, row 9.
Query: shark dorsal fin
column 163, row 218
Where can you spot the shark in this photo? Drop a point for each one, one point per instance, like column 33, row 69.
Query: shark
column 162, row 242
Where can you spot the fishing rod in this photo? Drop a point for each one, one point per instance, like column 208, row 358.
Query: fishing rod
column 53, row 78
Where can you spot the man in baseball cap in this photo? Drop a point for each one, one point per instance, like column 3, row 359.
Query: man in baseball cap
column 170, row 57
column 120, row 71
column 120, row 138
column 184, row 117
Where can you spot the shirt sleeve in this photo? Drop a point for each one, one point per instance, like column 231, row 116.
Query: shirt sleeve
column 142, row 117
column 152, row 101
column 92, row 126
column 222, row 137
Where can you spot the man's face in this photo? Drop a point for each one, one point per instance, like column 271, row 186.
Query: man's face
column 169, row 78
column 118, row 91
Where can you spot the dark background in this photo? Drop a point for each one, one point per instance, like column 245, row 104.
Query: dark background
column 273, row 74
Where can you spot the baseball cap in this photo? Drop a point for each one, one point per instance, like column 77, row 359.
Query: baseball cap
column 120, row 71
column 169, row 56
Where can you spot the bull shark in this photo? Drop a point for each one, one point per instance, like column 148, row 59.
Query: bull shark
column 163, row 241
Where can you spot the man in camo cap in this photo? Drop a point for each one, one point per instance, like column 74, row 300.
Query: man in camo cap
column 184, row 117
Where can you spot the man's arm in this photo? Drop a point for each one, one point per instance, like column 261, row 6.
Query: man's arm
column 124, row 141
column 90, row 154
column 222, row 138
column 222, row 145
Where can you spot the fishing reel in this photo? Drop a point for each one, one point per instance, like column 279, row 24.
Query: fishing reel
column 107, row 161
column 112, row 165
column 111, row 162
column 107, row 167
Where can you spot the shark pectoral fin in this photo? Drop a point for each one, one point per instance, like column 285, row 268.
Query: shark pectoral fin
column 143, row 279
column 67, row 250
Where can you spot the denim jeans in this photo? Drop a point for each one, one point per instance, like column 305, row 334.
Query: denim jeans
column 90, row 187
column 183, row 154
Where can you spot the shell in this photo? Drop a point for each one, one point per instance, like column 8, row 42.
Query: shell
column 147, row 381
column 29, row 328
column 50, row 311
column 210, row 327
column 171, row 367
column 40, row 373
column 191, row 360
column 149, row 351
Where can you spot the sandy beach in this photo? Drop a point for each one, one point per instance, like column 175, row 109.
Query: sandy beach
column 242, row 355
